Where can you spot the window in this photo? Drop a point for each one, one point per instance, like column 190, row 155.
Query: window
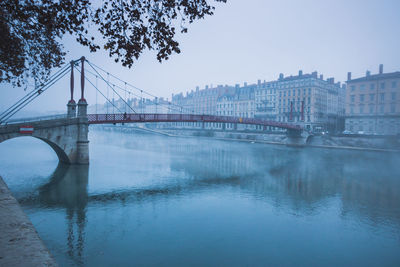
column 371, row 97
column 382, row 96
column 352, row 97
column 381, row 108
column 361, row 98
column 372, row 86
column 371, row 109
column 362, row 86
column 351, row 110
column 392, row 108
column 382, row 86
column 361, row 109
column 394, row 84
column 353, row 88
column 393, row 95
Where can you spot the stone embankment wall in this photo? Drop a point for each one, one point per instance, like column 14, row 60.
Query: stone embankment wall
column 20, row 245
column 390, row 143
column 372, row 142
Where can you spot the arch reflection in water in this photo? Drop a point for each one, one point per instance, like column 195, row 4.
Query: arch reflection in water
column 67, row 189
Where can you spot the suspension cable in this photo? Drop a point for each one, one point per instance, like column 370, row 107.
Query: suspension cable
column 96, row 94
column 110, row 86
column 97, row 89
column 137, row 88
column 28, row 99
column 31, row 93
column 108, row 78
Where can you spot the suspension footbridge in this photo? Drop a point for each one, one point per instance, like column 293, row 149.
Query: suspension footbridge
column 68, row 134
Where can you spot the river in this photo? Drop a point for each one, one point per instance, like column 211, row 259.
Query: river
column 150, row 200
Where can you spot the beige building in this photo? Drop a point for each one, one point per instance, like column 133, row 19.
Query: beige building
column 309, row 100
column 373, row 103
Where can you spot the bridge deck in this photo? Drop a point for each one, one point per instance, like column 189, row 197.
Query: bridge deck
column 145, row 117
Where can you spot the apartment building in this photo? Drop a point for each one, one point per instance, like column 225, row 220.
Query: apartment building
column 238, row 103
column 373, row 103
column 305, row 99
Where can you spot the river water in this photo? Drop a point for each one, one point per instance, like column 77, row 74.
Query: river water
column 154, row 200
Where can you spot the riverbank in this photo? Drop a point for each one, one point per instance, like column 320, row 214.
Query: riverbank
column 20, row 244
column 367, row 143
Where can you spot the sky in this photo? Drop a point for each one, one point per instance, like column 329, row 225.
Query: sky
column 249, row 40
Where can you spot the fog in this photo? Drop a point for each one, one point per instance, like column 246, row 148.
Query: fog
column 253, row 40
column 179, row 196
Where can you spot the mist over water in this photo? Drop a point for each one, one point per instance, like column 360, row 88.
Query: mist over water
column 155, row 200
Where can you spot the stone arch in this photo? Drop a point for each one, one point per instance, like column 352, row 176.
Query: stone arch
column 62, row 156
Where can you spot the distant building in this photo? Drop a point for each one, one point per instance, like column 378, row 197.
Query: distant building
column 238, row 103
column 265, row 100
column 373, row 103
column 200, row 101
column 305, row 99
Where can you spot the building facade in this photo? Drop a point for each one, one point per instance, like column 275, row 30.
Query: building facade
column 373, row 103
column 305, row 99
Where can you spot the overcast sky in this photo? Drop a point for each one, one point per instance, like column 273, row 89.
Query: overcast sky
column 255, row 39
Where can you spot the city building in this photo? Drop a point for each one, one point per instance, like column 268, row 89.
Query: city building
column 238, row 103
column 305, row 99
column 265, row 100
column 373, row 103
column 200, row 101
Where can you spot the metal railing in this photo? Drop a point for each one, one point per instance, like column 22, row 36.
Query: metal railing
column 35, row 119
column 148, row 117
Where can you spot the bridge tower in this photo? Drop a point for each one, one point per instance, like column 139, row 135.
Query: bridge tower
column 83, row 124
column 71, row 106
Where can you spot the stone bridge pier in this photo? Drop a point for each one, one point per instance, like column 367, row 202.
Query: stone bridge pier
column 67, row 136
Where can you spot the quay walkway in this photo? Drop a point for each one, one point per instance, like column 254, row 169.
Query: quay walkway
column 20, row 244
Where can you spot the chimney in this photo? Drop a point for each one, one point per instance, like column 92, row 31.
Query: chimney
column 259, row 82
column 300, row 73
column 314, row 74
column 206, row 86
column 349, row 76
column 245, row 84
column 380, row 68
column 237, row 85
column 367, row 73
column 281, row 76
column 321, row 77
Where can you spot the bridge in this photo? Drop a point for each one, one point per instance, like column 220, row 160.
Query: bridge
column 67, row 134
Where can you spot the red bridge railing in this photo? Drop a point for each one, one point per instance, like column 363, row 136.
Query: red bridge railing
column 146, row 117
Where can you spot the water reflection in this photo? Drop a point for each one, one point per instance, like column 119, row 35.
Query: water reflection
column 301, row 180
column 67, row 189
column 131, row 212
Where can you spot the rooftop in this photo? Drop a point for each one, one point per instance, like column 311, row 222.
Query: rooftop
column 379, row 76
